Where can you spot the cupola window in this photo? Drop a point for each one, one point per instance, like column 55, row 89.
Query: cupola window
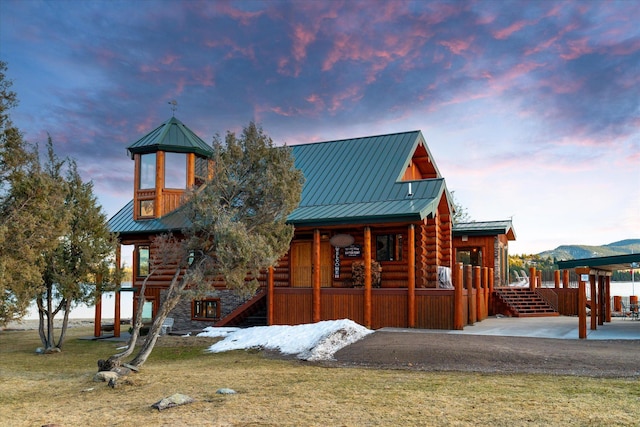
column 147, row 171
column 175, row 170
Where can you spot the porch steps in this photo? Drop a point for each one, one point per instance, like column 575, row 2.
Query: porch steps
column 251, row 313
column 523, row 302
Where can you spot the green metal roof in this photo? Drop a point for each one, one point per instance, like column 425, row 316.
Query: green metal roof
column 172, row 136
column 356, row 180
column 351, row 181
column 123, row 222
column 609, row 263
column 485, row 228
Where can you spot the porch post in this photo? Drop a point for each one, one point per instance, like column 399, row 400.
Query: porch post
column 316, row 276
column 607, row 293
column 594, row 302
column 556, row 278
column 411, row 286
column 532, row 278
column 565, row 279
column 490, row 296
column 468, row 280
column 97, row 321
column 485, row 284
column 270, row 289
column 601, row 301
column 367, row 277
column 458, row 307
column 582, row 305
column 477, row 284
column 116, row 314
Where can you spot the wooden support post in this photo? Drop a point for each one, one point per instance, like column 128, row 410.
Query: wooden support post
column 607, row 293
column 97, row 322
column 582, row 308
column 367, row 277
column 485, row 285
column 539, row 281
column 601, row 301
column 116, row 314
column 490, row 302
column 565, row 279
column 594, row 302
column 411, row 286
column 458, row 306
column 316, row 276
column 159, row 201
column 556, row 278
column 532, row 278
column 477, row 284
column 471, row 302
column 270, row 290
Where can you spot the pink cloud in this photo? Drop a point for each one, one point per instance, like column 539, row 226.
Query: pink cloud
column 352, row 94
column 233, row 49
column 622, row 49
column 457, row 46
column 302, row 37
column 205, row 77
column 244, row 17
column 506, row 32
column 576, row 49
column 169, row 59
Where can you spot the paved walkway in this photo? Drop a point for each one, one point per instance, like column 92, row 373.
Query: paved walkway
column 561, row 327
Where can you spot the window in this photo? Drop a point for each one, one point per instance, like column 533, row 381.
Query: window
column 207, row 309
column 147, row 171
column 147, row 312
column 175, row 170
column 201, row 170
column 143, row 261
column 389, row 247
column 146, row 208
column 469, row 256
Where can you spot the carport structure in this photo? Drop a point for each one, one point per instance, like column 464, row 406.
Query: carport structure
column 597, row 272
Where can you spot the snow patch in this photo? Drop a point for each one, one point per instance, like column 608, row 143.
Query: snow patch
column 313, row 342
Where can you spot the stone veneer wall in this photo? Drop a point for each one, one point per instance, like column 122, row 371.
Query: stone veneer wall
column 181, row 314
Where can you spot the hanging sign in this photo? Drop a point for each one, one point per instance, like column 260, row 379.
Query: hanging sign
column 336, row 263
column 341, row 240
column 353, row 251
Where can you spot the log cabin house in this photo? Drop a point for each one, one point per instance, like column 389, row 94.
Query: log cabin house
column 485, row 244
column 373, row 232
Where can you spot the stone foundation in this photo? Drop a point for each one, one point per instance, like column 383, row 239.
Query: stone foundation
column 181, row 313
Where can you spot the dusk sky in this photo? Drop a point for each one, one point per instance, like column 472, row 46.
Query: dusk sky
column 531, row 109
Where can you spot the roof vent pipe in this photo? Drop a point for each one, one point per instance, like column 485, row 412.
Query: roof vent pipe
column 410, row 193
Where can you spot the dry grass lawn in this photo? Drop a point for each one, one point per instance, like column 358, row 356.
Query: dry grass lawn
column 42, row 389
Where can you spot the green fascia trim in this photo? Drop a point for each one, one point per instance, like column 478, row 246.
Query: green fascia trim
column 620, row 262
column 485, row 232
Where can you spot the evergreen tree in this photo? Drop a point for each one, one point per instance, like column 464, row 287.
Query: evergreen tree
column 238, row 228
column 77, row 269
column 31, row 214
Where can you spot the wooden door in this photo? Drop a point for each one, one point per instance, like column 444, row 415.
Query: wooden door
column 302, row 264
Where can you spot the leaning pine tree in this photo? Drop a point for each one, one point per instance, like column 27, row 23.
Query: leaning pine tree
column 237, row 228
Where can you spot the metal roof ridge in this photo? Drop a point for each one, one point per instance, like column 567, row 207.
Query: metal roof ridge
column 355, row 138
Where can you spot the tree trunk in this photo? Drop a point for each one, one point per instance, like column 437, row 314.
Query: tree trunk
column 65, row 323
column 168, row 305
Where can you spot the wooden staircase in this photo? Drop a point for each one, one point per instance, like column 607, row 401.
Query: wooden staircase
column 251, row 313
column 522, row 302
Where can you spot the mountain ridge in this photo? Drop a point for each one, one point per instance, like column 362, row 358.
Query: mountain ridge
column 569, row 252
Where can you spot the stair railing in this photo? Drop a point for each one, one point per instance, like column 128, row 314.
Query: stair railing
column 549, row 295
